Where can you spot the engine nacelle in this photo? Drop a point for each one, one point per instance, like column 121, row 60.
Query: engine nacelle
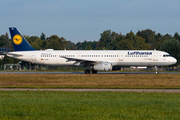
column 102, row 67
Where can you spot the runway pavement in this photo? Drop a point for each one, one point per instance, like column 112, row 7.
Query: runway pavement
column 83, row 72
column 96, row 90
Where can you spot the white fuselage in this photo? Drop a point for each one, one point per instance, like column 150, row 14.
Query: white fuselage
column 115, row 57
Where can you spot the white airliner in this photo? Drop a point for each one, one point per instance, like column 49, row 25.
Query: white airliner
column 96, row 60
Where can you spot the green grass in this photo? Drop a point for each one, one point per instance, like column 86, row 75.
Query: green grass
column 88, row 105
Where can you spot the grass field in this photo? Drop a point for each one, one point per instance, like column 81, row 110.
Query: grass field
column 88, row 105
column 89, row 81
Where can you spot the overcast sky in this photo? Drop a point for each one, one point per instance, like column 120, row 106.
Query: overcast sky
column 79, row 20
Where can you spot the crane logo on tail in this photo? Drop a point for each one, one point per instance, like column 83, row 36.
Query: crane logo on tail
column 17, row 39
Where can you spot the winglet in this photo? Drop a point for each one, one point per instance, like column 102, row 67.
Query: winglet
column 19, row 42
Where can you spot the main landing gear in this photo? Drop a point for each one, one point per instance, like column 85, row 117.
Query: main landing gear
column 87, row 71
column 94, row 71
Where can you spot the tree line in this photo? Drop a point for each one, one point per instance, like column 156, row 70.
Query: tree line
column 109, row 40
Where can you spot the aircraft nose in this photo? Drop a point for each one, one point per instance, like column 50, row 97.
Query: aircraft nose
column 174, row 61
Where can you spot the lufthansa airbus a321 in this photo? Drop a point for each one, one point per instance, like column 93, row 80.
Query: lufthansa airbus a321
column 94, row 60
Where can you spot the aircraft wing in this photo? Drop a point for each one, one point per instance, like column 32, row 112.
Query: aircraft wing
column 80, row 61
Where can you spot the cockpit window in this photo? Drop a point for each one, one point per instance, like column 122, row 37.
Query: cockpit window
column 166, row 55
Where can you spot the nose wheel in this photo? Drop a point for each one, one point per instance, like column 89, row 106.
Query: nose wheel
column 157, row 72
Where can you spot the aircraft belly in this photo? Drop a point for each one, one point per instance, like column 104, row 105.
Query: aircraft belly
column 138, row 63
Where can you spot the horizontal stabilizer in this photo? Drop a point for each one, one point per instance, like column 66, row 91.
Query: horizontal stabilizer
column 15, row 54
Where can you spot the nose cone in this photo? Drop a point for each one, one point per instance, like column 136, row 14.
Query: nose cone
column 174, row 61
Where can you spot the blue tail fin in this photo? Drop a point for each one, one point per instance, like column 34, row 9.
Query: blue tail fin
column 19, row 42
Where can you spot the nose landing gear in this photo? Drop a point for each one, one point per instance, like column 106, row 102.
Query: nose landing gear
column 156, row 70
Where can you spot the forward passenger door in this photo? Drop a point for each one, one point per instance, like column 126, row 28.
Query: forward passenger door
column 155, row 56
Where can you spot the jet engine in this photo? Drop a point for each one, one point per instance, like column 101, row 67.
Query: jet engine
column 102, row 66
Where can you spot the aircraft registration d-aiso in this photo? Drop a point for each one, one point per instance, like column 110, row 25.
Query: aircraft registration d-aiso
column 95, row 60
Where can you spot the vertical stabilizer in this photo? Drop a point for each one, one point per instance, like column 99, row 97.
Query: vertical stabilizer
column 19, row 42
